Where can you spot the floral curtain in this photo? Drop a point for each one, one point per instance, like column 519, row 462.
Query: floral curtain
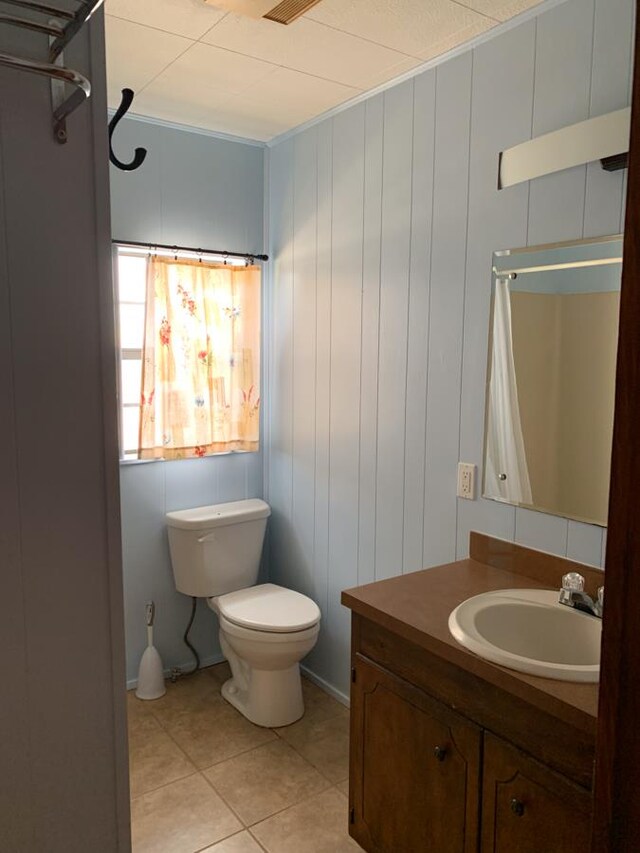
column 201, row 359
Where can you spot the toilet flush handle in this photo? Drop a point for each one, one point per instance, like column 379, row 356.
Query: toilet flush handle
column 206, row 538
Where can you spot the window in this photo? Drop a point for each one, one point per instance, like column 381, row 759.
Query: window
column 190, row 359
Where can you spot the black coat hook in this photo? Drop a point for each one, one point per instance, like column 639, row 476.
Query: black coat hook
column 140, row 153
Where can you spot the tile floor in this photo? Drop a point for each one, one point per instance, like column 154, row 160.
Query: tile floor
column 203, row 778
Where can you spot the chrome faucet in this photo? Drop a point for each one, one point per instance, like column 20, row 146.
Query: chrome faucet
column 572, row 594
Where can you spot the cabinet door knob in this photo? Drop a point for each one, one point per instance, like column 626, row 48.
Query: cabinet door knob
column 517, row 807
column 440, row 753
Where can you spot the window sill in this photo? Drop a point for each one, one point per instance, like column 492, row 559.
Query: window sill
column 127, row 462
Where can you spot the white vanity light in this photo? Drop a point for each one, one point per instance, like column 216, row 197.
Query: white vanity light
column 594, row 139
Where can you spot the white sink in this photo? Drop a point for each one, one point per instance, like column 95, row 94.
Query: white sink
column 528, row 630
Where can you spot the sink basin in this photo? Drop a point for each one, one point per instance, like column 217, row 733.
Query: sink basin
column 528, row 630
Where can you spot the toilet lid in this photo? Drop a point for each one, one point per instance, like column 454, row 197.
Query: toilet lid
column 268, row 607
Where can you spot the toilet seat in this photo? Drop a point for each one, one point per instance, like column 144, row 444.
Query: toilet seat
column 268, row 608
column 267, row 638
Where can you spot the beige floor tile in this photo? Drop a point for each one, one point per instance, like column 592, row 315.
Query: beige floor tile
column 220, row 671
column 211, row 730
column 317, row 825
column 137, row 708
column 182, row 817
column 154, row 759
column 191, row 691
column 315, row 698
column 343, row 787
column 240, row 843
column 264, row 781
column 319, row 708
column 325, row 744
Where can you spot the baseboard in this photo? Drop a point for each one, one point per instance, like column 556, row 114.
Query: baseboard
column 186, row 666
column 219, row 658
column 328, row 688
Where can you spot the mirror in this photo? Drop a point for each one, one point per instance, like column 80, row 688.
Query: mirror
column 551, row 380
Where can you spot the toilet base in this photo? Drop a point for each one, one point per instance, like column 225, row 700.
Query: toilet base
column 272, row 698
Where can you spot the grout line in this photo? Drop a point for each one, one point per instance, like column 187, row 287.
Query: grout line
column 224, row 800
column 165, row 785
column 246, row 825
column 251, row 827
column 477, row 12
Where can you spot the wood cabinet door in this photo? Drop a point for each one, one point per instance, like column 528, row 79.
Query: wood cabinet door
column 414, row 769
column 528, row 808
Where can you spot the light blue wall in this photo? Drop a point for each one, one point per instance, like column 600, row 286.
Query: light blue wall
column 193, row 190
column 383, row 221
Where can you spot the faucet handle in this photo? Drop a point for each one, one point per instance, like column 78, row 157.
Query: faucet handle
column 573, row 581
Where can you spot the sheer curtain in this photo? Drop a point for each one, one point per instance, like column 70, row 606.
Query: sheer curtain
column 201, row 359
column 507, row 474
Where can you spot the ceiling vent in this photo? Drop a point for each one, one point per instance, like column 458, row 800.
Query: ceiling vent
column 282, row 13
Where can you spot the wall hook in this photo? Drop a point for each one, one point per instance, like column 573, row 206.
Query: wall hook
column 140, row 153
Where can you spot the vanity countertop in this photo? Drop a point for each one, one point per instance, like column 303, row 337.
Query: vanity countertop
column 416, row 606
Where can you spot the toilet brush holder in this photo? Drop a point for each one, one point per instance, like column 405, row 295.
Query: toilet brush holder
column 151, row 674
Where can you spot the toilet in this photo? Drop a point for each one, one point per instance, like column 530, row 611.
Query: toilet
column 265, row 630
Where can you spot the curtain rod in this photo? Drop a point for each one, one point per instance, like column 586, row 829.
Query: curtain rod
column 244, row 255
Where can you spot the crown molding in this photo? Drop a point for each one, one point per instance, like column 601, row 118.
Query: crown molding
column 187, row 128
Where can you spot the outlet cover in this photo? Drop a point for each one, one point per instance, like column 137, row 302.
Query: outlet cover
column 466, row 481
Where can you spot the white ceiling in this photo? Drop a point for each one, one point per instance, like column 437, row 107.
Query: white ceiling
column 193, row 64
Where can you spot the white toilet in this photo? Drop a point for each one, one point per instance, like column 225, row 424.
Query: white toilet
column 265, row 630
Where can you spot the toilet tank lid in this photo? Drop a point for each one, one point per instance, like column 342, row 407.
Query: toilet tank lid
column 218, row 515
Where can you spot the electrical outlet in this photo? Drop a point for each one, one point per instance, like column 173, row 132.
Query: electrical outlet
column 466, row 481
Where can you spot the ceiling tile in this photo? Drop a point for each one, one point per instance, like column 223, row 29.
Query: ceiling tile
column 384, row 76
column 221, row 113
column 408, row 26
column 203, row 70
column 500, row 9
column 198, row 88
column 458, row 38
column 136, row 54
column 306, row 46
column 190, row 18
column 291, row 93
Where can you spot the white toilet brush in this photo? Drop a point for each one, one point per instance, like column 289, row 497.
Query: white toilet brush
column 150, row 675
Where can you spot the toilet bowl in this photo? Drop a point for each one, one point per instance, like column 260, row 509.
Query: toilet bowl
column 265, row 630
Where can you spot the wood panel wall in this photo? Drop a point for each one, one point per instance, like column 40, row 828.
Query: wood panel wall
column 383, row 222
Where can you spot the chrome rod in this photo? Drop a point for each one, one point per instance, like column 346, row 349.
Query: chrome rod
column 43, row 8
column 56, row 72
column 48, row 29
column 80, row 18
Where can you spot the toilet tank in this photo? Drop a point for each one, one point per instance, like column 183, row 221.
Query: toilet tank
column 216, row 549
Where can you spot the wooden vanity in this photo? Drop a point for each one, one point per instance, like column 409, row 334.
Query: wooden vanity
column 450, row 752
